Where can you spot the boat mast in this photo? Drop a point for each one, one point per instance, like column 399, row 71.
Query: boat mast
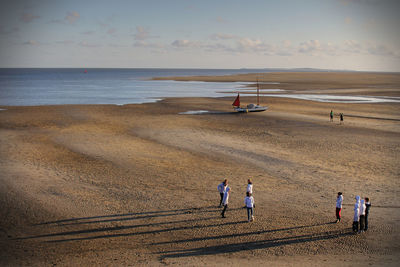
column 258, row 94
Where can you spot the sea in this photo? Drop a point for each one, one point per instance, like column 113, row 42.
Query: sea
column 36, row 87
column 33, row 87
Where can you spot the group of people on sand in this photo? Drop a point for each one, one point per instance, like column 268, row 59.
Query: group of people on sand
column 361, row 212
column 361, row 207
column 340, row 116
column 224, row 191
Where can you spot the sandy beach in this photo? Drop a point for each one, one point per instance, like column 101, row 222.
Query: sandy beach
column 136, row 185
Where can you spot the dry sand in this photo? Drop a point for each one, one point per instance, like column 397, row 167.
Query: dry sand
column 136, row 185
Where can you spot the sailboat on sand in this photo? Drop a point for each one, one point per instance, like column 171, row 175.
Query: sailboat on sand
column 249, row 107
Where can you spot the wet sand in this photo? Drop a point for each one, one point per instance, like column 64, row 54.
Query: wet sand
column 136, row 184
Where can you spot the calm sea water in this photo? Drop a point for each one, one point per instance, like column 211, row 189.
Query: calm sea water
column 31, row 87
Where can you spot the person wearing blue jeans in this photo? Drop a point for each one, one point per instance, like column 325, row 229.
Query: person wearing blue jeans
column 249, row 202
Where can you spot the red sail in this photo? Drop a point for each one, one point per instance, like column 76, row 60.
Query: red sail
column 236, row 103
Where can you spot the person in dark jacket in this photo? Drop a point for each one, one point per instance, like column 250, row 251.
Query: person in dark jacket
column 368, row 206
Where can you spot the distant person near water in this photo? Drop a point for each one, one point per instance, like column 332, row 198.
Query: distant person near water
column 249, row 202
column 225, row 200
column 331, row 115
column 367, row 207
column 339, row 202
column 221, row 189
column 356, row 218
column 341, row 118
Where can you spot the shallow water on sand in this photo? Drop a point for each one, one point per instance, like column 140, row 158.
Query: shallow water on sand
column 32, row 87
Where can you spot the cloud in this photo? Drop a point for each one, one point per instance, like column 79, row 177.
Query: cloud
column 27, row 17
column 381, row 50
column 185, row 44
column 31, row 42
column 247, row 45
column 309, row 47
column 355, row 47
column 143, row 34
column 145, row 44
column 223, row 36
column 86, row 44
column 71, row 17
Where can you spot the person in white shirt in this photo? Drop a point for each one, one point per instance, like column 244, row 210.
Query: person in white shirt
column 225, row 200
column 249, row 189
column 249, row 202
column 249, row 186
column 356, row 214
column 362, row 215
column 339, row 201
column 221, row 189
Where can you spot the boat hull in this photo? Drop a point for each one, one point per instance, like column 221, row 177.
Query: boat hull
column 255, row 109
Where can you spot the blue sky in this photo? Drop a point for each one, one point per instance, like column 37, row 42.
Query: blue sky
column 332, row 34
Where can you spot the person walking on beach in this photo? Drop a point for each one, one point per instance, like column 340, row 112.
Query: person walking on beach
column 362, row 215
column 249, row 202
column 367, row 207
column 356, row 214
column 221, row 189
column 339, row 201
column 331, row 115
column 341, row 118
column 249, row 186
column 225, row 200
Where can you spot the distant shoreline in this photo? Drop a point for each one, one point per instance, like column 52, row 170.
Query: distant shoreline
column 267, row 70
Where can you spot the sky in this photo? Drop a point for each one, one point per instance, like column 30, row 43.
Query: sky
column 330, row 34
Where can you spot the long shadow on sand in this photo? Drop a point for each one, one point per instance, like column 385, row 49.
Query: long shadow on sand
column 122, row 217
column 241, row 234
column 245, row 246
column 118, row 228
column 190, row 227
column 132, row 216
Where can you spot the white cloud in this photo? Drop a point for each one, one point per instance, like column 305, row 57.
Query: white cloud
column 223, row 36
column 247, row 45
column 355, row 47
column 143, row 34
column 71, row 17
column 309, row 47
column 185, row 44
column 27, row 17
column 381, row 50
